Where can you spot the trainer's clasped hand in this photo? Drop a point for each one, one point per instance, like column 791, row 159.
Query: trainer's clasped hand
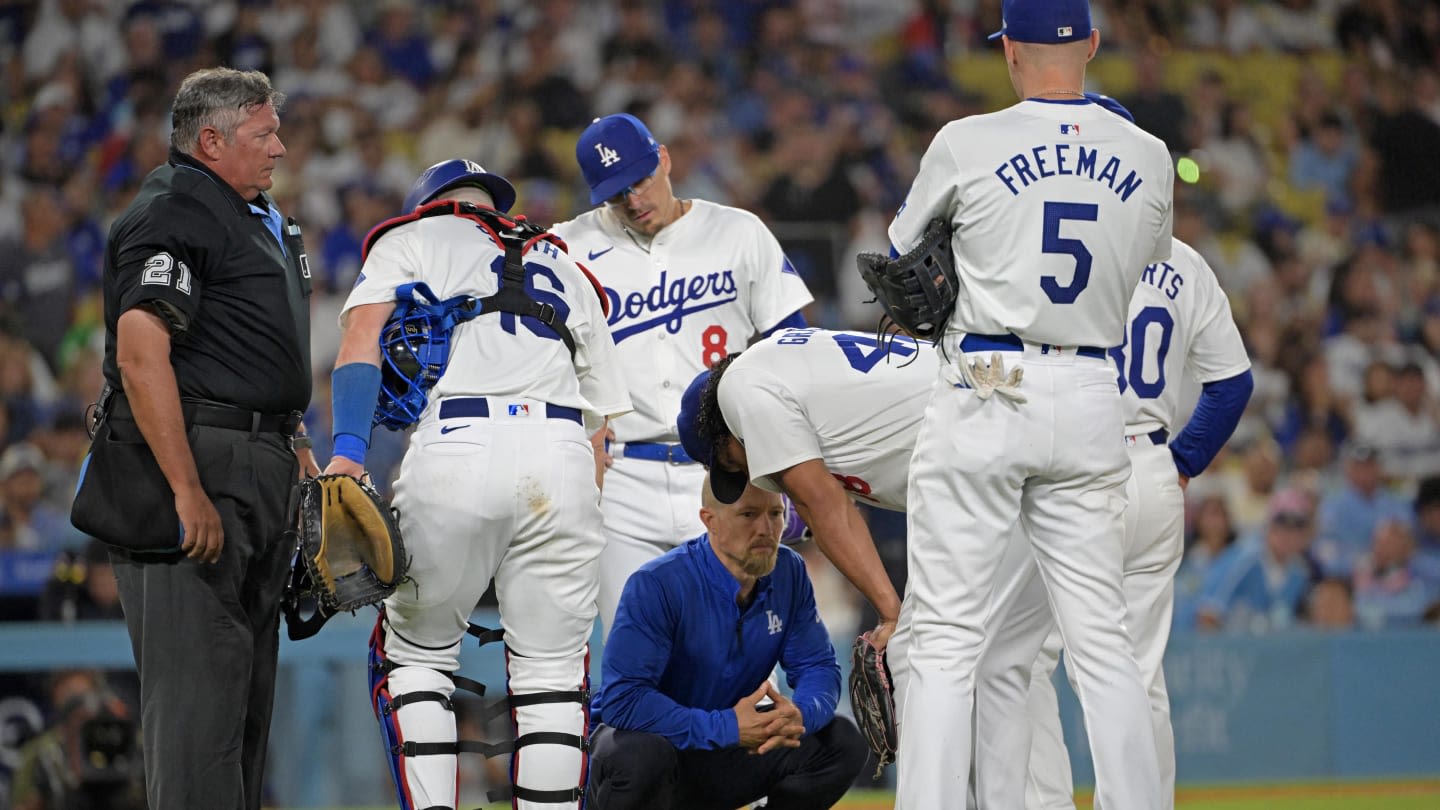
column 763, row 731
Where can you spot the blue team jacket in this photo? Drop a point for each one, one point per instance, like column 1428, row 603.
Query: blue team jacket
column 681, row 653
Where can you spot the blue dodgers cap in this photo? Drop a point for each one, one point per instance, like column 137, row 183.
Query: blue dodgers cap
column 697, row 436
column 614, row 153
column 1049, row 22
column 697, row 446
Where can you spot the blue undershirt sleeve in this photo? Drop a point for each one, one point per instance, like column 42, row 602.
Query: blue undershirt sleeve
column 795, row 320
column 1216, row 414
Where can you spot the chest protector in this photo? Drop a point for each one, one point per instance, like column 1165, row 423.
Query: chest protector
column 415, row 343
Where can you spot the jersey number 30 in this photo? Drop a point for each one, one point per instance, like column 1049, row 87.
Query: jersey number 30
column 1139, row 346
column 1053, row 242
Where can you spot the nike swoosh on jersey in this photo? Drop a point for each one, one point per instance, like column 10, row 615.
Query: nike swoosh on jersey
column 595, row 254
column 449, row 428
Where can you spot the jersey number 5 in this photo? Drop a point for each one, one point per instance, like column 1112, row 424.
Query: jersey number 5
column 1138, row 343
column 1053, row 242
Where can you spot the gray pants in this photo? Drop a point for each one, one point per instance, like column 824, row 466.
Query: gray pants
column 206, row 636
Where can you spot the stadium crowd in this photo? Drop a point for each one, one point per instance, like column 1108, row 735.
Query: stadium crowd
column 1315, row 124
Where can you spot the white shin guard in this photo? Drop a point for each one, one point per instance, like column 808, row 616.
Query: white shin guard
column 417, row 718
column 549, row 701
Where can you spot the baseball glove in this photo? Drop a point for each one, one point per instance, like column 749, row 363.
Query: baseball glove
column 918, row 290
column 872, row 699
column 348, row 551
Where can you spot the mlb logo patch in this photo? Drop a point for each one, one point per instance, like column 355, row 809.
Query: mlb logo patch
column 1069, row 129
column 1064, row 31
column 519, row 409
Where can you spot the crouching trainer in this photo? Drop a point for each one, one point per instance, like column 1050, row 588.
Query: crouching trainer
column 687, row 716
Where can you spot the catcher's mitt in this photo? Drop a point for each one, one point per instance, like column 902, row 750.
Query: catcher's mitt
column 872, row 699
column 348, row 551
column 918, row 290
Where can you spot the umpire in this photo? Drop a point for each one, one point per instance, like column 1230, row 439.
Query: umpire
column 206, row 364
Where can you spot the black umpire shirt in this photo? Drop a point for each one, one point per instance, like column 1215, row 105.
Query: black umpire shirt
column 193, row 250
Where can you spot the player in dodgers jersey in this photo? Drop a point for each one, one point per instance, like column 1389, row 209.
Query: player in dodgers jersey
column 1180, row 322
column 499, row 480
column 1057, row 206
column 689, row 282
column 823, row 417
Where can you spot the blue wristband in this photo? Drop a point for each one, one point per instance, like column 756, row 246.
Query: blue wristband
column 348, row 445
column 354, row 390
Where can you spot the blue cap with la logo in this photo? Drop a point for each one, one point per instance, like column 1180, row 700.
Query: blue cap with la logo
column 1049, row 22
column 616, row 152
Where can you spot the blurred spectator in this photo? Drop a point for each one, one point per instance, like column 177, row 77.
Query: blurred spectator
column 83, row 587
column 1210, row 535
column 20, row 388
column 1324, row 159
column 1228, row 25
column 36, row 525
column 1350, row 513
column 36, row 276
column 401, row 42
column 1405, row 140
column 363, row 205
column 63, row 444
column 1156, row 109
column 1313, row 404
column 1249, row 485
column 1324, row 243
column 1389, row 591
column 1259, row 585
column 1235, row 158
column 245, row 45
column 1331, row 605
column 1404, row 426
column 1298, row 25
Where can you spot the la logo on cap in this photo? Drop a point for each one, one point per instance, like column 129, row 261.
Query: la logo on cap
column 608, row 157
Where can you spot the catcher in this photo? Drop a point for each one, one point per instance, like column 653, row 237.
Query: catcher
column 499, row 353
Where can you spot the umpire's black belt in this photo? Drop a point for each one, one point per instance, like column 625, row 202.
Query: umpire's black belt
column 479, row 408
column 1013, row 343
column 217, row 416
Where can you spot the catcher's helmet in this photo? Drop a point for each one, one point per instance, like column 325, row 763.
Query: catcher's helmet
column 448, row 174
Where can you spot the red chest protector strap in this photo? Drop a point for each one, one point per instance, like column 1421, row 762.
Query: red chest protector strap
column 516, row 236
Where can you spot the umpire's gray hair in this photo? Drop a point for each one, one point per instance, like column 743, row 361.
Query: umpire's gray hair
column 221, row 98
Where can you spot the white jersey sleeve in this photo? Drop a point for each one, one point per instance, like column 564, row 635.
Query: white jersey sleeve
column 1180, row 321
column 841, row 397
column 1055, row 207
column 495, row 353
column 702, row 288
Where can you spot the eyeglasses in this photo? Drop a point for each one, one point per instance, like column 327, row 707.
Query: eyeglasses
column 638, row 187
